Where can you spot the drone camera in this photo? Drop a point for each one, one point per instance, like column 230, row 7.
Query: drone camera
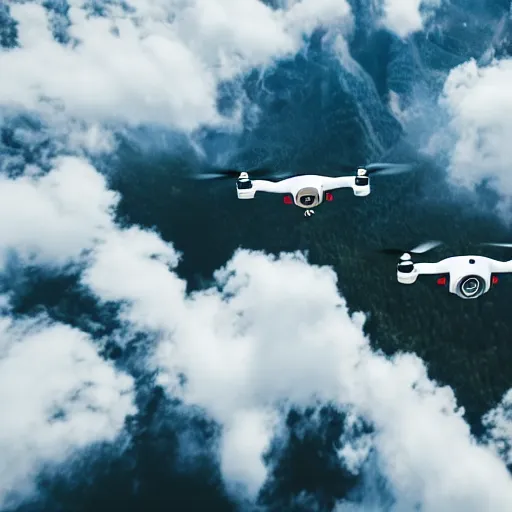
column 470, row 287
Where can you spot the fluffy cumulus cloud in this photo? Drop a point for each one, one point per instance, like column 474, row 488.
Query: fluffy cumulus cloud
column 139, row 62
column 57, row 396
column 153, row 61
column 272, row 333
column 405, row 18
column 275, row 332
column 499, row 428
column 49, row 219
column 480, row 106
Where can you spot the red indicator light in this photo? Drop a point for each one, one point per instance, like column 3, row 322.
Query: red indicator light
column 441, row 281
column 328, row 196
column 287, row 200
column 494, row 280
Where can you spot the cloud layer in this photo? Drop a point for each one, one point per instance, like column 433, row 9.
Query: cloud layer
column 405, row 18
column 57, row 396
column 498, row 422
column 275, row 333
column 480, row 107
column 56, row 215
column 146, row 64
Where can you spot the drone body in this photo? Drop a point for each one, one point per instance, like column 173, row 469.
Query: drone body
column 307, row 191
column 468, row 277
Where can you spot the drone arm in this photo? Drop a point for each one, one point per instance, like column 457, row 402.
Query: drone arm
column 441, row 267
column 410, row 276
column 340, row 182
column 501, row 267
column 247, row 189
column 276, row 187
column 359, row 189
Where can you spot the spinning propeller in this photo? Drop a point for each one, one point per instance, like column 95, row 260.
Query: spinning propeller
column 432, row 244
column 419, row 249
column 229, row 174
column 492, row 244
column 385, row 169
column 378, row 168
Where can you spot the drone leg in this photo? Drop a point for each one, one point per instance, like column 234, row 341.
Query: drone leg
column 308, row 213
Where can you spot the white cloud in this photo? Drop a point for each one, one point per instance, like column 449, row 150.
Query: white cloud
column 272, row 333
column 160, row 64
column 480, row 105
column 241, row 463
column 51, row 369
column 406, row 17
column 57, row 396
column 144, row 257
column 276, row 332
column 50, row 219
column 498, row 422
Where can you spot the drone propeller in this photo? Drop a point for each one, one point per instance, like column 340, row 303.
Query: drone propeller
column 379, row 168
column 228, row 174
column 385, row 169
column 492, row 244
column 419, row 249
column 221, row 174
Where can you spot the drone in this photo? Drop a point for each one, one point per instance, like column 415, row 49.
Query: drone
column 468, row 277
column 305, row 191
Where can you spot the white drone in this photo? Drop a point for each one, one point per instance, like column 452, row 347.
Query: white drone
column 306, row 191
column 468, row 277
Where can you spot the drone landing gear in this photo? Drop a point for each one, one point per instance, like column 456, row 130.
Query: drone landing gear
column 309, row 213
